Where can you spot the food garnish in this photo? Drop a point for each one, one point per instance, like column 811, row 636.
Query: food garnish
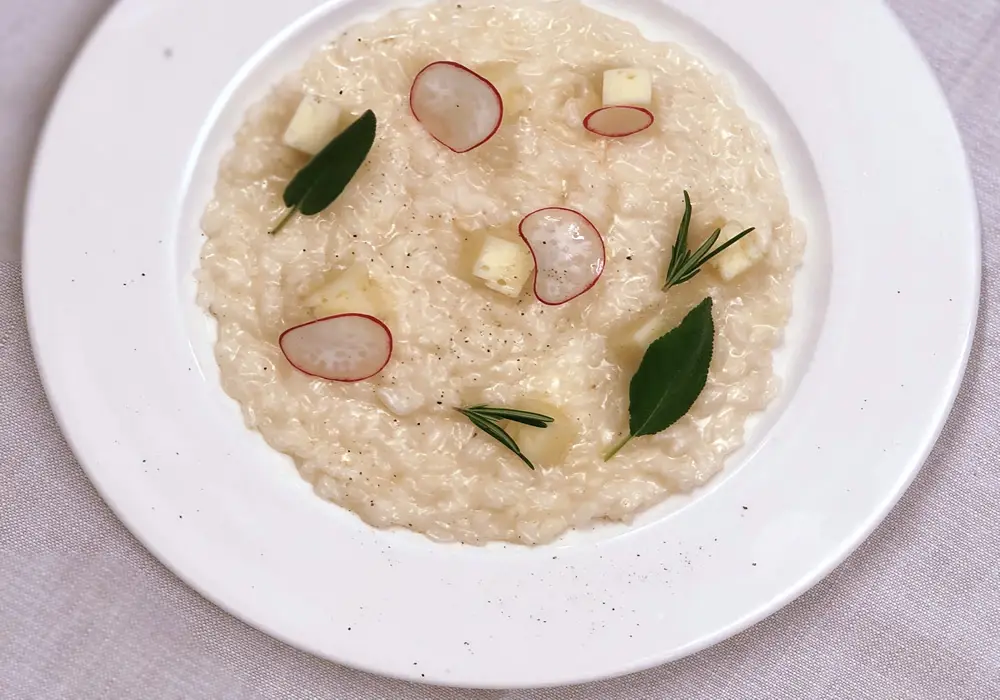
column 486, row 418
column 458, row 107
column 568, row 251
column 503, row 266
column 628, row 87
column 324, row 178
column 618, row 121
column 627, row 94
column 649, row 331
column 745, row 254
column 684, row 263
column 549, row 447
column 351, row 291
column 671, row 376
column 344, row 348
column 315, row 123
column 506, row 78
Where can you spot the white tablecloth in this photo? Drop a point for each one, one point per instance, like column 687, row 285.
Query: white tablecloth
column 87, row 613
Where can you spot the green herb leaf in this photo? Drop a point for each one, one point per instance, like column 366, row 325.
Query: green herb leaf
column 671, row 376
column 496, row 432
column 679, row 254
column 485, row 418
column 684, row 264
column 324, row 178
column 531, row 418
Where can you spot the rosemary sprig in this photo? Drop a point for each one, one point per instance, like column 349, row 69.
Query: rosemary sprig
column 685, row 264
column 486, row 419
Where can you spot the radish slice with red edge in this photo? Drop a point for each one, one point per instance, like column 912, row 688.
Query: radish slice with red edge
column 568, row 251
column 459, row 108
column 618, row 121
column 342, row 348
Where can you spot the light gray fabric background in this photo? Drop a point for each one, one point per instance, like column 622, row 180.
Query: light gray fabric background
column 86, row 613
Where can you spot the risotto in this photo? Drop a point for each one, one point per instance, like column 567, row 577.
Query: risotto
column 408, row 229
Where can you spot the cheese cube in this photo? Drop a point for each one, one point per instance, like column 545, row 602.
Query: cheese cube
column 762, row 237
column 645, row 334
column 505, row 78
column 739, row 258
column 401, row 401
column 352, row 291
column 504, row 266
column 544, row 446
column 628, row 86
column 316, row 122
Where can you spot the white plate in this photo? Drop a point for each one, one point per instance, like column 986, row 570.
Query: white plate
column 885, row 311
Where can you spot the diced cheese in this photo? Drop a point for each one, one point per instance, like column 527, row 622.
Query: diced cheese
column 504, row 266
column 316, row 122
column 762, row 237
column 733, row 263
column 399, row 400
column 352, row 291
column 544, row 446
column 628, row 86
column 645, row 334
column 503, row 75
column 739, row 258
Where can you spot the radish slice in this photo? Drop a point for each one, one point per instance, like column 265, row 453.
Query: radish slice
column 459, row 108
column 342, row 348
column 618, row 121
column 568, row 252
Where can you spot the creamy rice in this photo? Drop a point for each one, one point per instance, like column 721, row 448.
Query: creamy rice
column 412, row 215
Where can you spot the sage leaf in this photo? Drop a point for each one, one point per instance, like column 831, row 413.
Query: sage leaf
column 324, row 178
column 671, row 376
